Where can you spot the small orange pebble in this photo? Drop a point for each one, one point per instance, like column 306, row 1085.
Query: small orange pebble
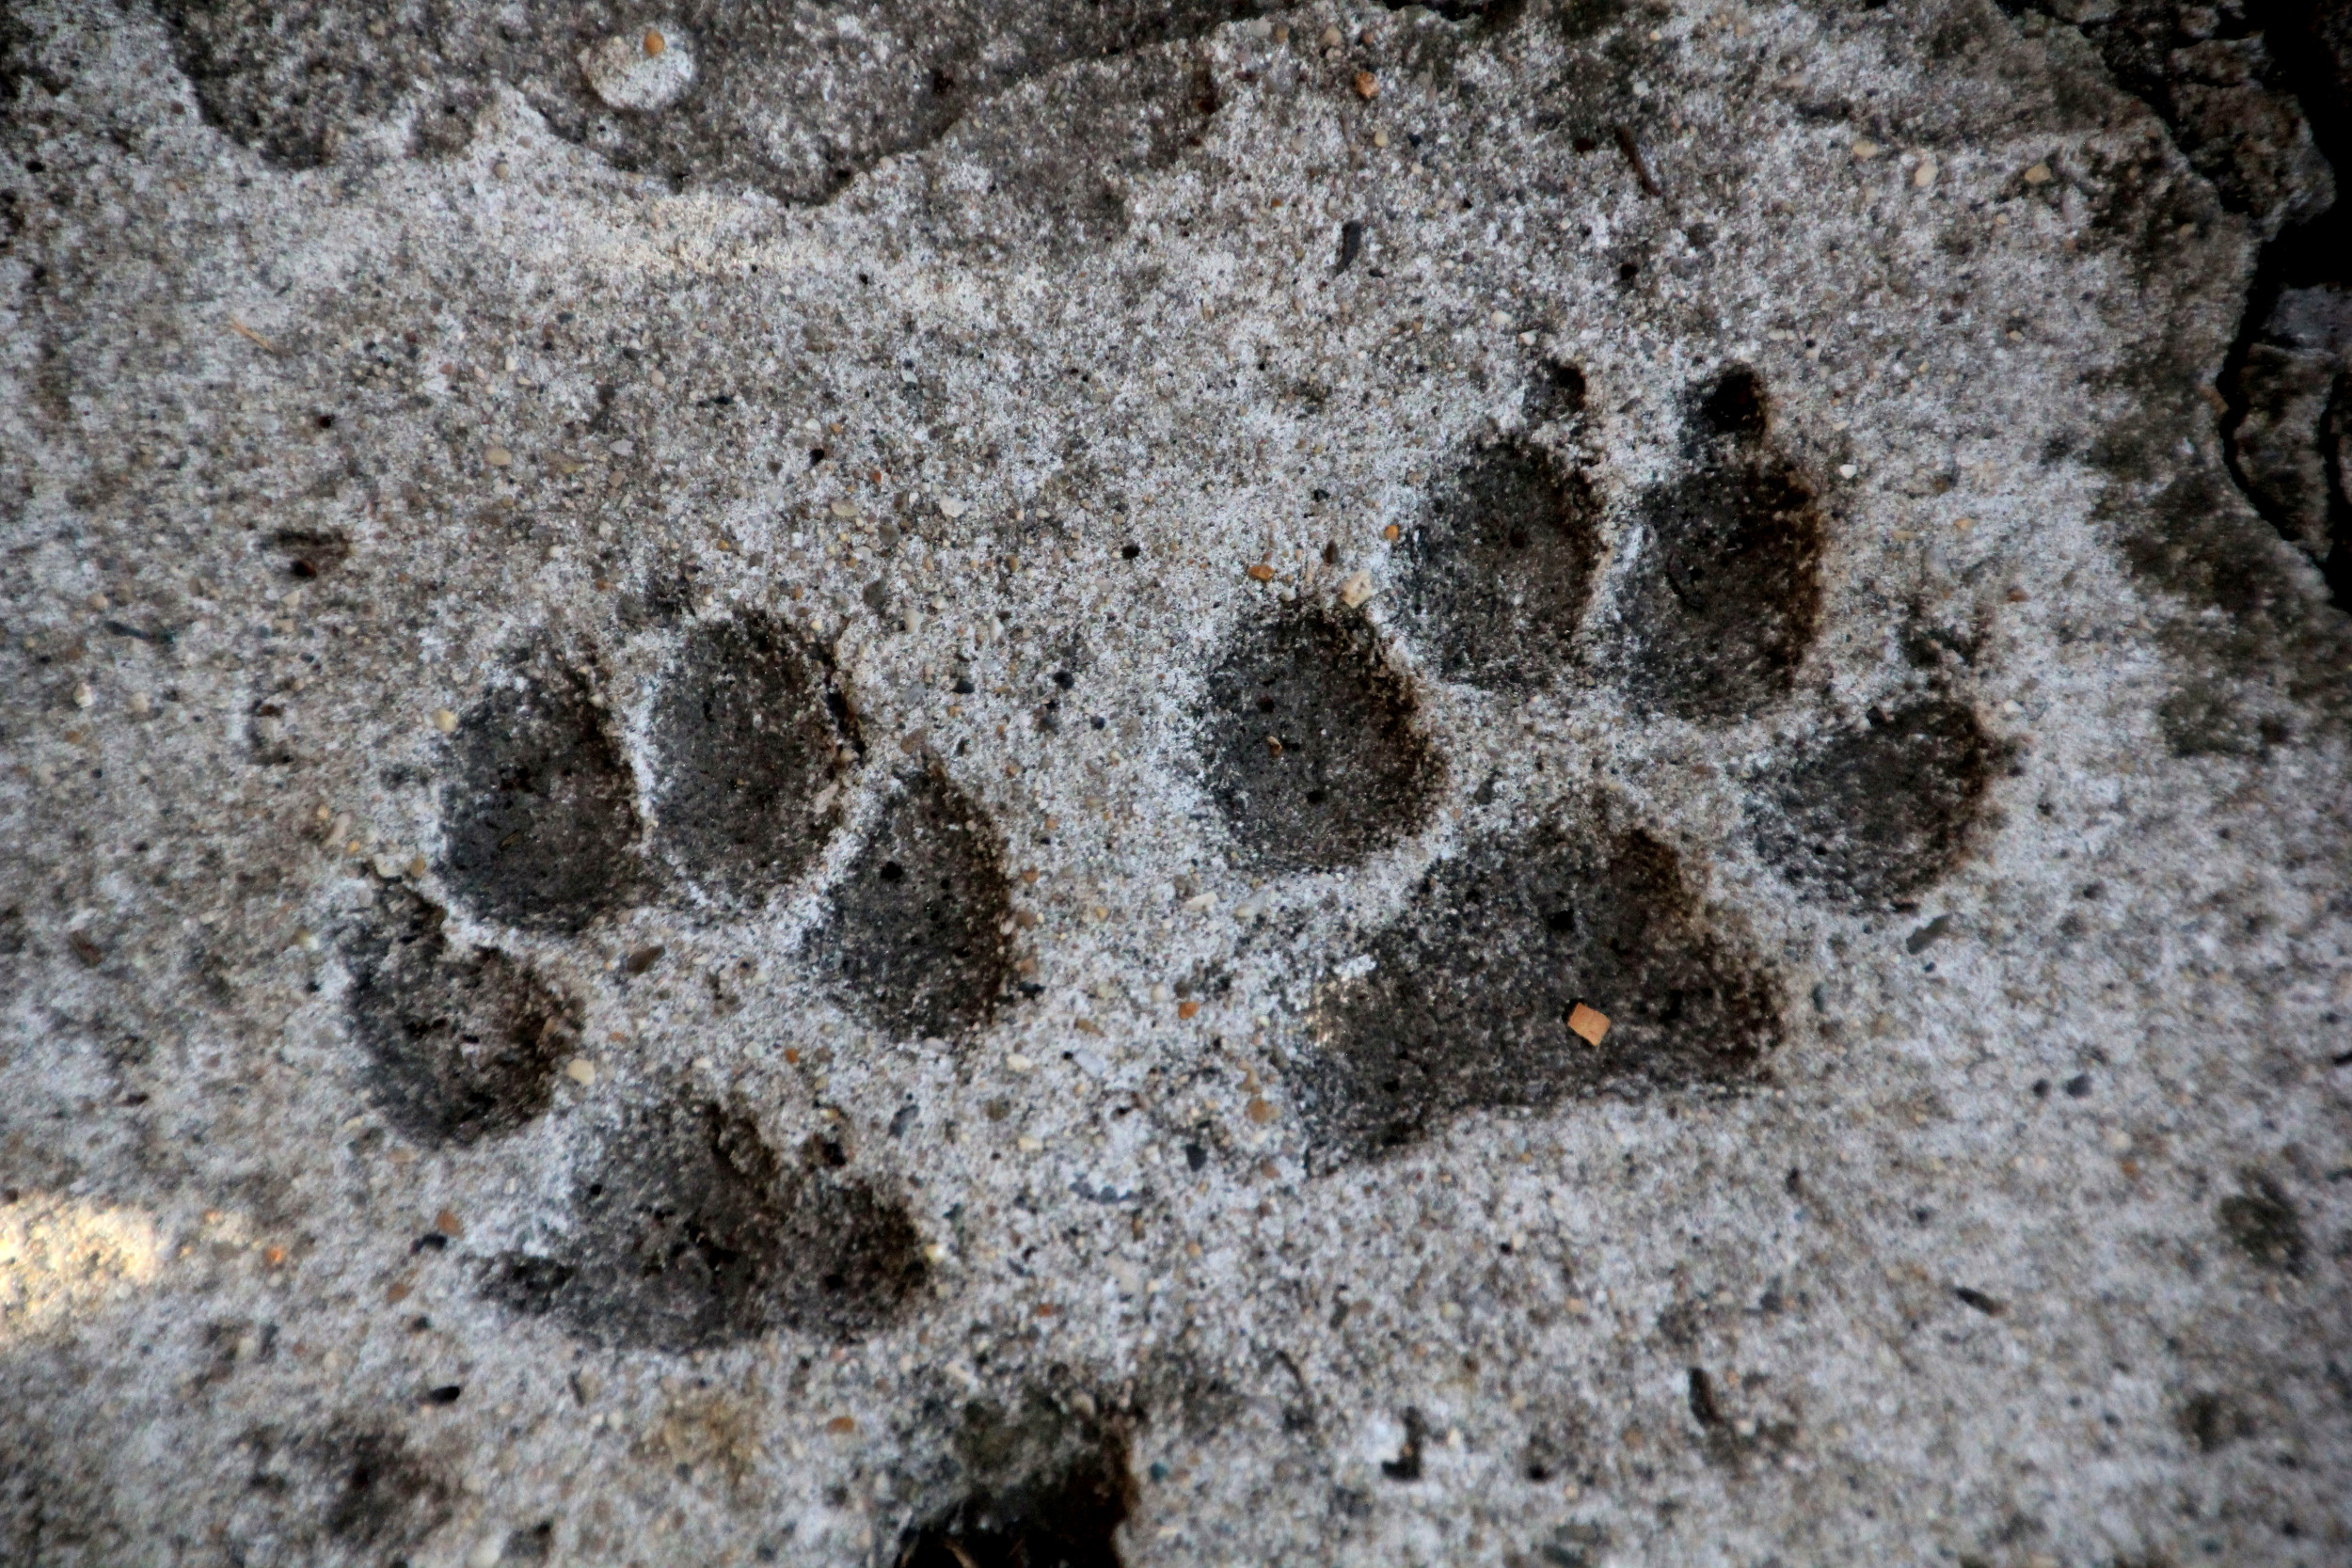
column 273, row 1256
column 1588, row 1023
column 1259, row 1111
column 1188, row 1009
column 791, row 1055
column 398, row 1293
column 841, row 1426
column 446, row 1223
column 1262, row 573
column 654, row 44
column 1390, row 532
column 1367, row 86
column 1045, row 1308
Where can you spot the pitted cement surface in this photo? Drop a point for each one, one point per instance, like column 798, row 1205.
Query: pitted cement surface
column 850, row 813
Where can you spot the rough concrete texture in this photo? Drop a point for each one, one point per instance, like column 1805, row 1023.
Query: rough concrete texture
column 837, row 794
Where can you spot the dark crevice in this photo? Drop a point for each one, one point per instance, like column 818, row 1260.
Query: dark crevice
column 2310, row 47
column 2316, row 256
column 2296, row 57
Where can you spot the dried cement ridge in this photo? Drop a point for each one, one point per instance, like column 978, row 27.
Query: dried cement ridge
column 854, row 784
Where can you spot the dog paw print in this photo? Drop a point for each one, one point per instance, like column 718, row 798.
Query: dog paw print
column 1566, row 953
column 1871, row 815
column 462, row 1044
column 690, row 1232
column 920, row 921
column 1470, row 999
column 540, row 817
column 749, row 733
column 1312, row 749
column 1723, row 600
column 692, row 1227
column 1495, row 583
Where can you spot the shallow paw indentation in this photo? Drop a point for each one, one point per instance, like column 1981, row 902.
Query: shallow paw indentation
column 1043, row 1486
column 461, row 1046
column 1309, row 744
column 1496, row 581
column 350, row 1494
column 916, row 928
column 1725, row 597
column 1466, row 1005
column 540, row 820
column 691, row 1232
column 747, row 730
column 1869, row 816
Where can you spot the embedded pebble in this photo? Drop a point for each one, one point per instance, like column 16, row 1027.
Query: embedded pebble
column 641, row 69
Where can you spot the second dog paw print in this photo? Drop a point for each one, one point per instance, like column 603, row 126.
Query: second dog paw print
column 1566, row 954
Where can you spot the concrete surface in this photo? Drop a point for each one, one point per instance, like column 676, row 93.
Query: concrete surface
column 829, row 784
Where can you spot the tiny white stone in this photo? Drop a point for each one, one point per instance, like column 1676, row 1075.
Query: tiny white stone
column 1924, row 176
column 580, row 1070
column 1356, row 589
column 1019, row 1062
column 83, row 696
column 950, row 507
column 1847, row 470
column 823, row 802
column 1029, row 1145
column 641, row 69
column 486, row 1552
column 1201, row 901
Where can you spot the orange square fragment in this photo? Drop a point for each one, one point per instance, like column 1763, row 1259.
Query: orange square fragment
column 1588, row 1023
